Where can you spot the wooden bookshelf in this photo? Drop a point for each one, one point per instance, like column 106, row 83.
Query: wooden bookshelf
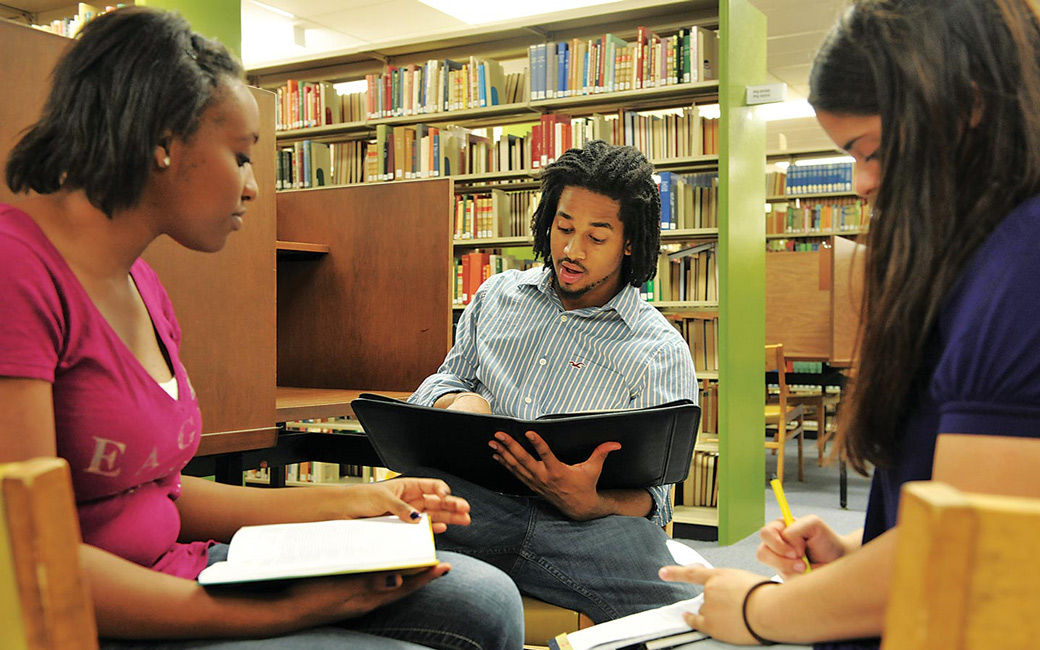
column 806, row 235
column 740, row 234
column 812, row 300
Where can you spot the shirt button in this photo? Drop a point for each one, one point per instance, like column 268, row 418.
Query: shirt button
column 527, row 400
column 541, row 362
column 563, row 317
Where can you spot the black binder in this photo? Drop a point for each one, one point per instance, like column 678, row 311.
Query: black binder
column 656, row 443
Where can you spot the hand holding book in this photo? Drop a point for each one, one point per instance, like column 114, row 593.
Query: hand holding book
column 571, row 488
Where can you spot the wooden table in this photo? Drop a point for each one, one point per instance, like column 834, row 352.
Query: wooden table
column 237, row 451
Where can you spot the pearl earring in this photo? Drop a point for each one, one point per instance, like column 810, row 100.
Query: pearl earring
column 165, row 162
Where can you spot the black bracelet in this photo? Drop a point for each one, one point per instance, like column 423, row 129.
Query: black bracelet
column 747, row 625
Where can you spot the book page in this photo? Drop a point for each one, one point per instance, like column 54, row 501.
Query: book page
column 651, row 624
column 324, row 548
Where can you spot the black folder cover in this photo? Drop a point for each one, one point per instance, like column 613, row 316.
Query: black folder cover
column 656, row 443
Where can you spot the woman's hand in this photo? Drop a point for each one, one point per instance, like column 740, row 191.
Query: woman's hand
column 721, row 614
column 319, row 601
column 783, row 547
column 406, row 498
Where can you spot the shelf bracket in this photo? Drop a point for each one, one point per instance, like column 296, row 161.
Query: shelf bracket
column 29, row 17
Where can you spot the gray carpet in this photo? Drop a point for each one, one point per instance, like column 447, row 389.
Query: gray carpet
column 818, row 495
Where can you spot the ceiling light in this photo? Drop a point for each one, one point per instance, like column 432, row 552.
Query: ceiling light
column 479, row 12
column 789, row 110
column 280, row 12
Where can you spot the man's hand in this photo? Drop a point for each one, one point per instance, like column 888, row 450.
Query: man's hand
column 571, row 488
column 469, row 402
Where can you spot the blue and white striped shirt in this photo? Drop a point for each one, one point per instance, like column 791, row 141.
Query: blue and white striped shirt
column 521, row 350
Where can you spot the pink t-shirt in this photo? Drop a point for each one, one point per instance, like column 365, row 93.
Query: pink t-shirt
column 124, row 437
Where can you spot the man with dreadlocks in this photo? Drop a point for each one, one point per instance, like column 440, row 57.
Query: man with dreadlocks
column 572, row 336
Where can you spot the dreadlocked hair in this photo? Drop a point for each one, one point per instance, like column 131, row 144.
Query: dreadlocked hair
column 617, row 172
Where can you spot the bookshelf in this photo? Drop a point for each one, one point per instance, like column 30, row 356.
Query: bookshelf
column 739, row 236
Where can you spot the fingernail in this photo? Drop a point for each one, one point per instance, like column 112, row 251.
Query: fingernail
column 493, row 445
column 530, row 436
column 792, row 555
column 415, row 515
column 500, row 436
column 799, row 567
column 446, row 572
column 391, row 580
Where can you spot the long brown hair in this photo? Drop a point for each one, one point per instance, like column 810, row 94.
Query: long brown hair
column 957, row 86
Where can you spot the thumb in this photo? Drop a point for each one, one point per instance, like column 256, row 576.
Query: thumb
column 600, row 453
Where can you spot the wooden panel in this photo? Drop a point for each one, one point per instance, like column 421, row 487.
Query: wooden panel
column 849, row 258
column 320, row 403
column 225, row 305
column 27, row 57
column 41, row 534
column 798, row 303
column 375, row 313
column 965, row 571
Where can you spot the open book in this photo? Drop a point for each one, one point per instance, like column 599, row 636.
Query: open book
column 662, row 627
column 656, row 443
column 284, row 551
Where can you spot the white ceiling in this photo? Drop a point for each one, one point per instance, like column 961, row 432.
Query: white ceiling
column 795, row 30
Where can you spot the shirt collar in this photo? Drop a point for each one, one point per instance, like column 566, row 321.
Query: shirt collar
column 626, row 303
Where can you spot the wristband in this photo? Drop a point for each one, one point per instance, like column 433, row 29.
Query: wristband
column 744, row 607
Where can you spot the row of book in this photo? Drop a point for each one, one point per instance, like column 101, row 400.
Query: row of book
column 676, row 135
column 701, row 487
column 612, row 64
column 70, row 25
column 313, row 472
column 425, row 151
column 472, row 269
column 440, row 86
column 811, row 179
column 494, row 213
column 810, row 245
column 689, row 200
column 304, row 164
column 702, row 335
column 807, row 216
column 709, row 403
column 684, row 274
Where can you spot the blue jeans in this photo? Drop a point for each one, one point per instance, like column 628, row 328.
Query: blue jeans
column 474, row 607
column 605, row 568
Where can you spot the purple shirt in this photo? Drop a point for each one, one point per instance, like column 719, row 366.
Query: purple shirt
column 984, row 372
column 124, row 437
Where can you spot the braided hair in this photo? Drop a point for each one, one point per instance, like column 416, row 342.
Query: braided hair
column 617, row 172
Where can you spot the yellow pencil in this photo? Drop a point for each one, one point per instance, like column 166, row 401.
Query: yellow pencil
column 785, row 510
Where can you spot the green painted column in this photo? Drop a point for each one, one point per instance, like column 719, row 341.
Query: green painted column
column 219, row 19
column 742, row 138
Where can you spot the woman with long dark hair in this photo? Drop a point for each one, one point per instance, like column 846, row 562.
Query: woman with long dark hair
column 939, row 103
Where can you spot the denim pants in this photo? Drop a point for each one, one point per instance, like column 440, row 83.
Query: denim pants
column 605, row 568
column 474, row 607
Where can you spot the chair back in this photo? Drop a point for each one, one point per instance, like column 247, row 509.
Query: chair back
column 775, row 361
column 44, row 602
column 965, row 574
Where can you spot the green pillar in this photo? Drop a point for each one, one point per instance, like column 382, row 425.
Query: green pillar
column 219, row 19
column 742, row 57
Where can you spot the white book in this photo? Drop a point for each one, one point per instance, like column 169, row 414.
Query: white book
column 342, row 546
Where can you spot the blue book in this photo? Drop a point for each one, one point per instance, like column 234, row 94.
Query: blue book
column 481, row 86
column 435, row 144
column 666, row 200
column 562, row 66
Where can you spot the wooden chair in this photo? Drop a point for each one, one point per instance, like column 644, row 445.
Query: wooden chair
column 44, row 602
column 787, row 419
column 966, row 573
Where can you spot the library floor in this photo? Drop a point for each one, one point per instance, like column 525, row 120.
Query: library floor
column 818, row 495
